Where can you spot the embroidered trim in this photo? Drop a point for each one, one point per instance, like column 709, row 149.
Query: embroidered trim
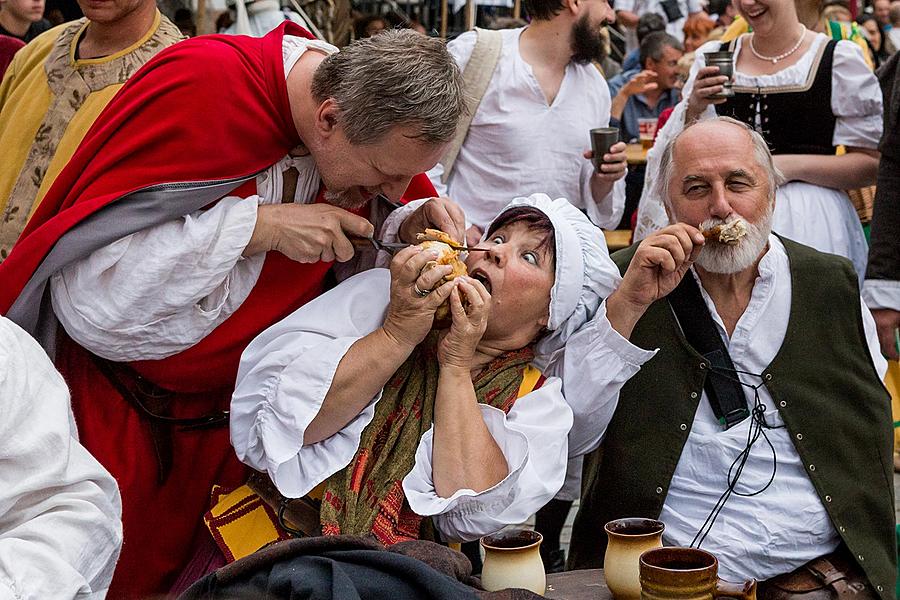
column 70, row 85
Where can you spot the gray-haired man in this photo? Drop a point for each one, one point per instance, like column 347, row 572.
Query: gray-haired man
column 758, row 428
column 182, row 224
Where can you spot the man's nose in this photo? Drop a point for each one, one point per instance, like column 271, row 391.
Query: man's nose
column 395, row 188
column 719, row 206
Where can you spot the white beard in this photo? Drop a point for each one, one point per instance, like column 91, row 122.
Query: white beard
column 716, row 257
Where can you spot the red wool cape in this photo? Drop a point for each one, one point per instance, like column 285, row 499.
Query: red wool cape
column 208, row 109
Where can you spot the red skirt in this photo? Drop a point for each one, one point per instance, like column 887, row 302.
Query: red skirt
column 161, row 521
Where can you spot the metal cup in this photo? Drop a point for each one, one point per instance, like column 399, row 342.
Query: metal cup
column 602, row 139
column 725, row 61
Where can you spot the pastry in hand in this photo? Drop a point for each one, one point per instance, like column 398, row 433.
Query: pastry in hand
column 439, row 241
column 727, row 233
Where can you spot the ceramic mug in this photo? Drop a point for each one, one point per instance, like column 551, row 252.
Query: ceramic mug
column 687, row 574
column 628, row 539
column 512, row 560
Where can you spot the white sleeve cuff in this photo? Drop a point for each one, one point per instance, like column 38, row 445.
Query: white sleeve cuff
column 418, row 485
column 607, row 212
column 605, row 334
column 881, row 293
column 281, row 408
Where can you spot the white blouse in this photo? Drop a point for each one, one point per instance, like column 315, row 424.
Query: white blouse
column 816, row 216
column 60, row 511
column 286, row 372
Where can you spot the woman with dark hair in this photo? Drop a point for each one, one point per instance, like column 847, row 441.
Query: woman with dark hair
column 375, row 422
column 875, row 36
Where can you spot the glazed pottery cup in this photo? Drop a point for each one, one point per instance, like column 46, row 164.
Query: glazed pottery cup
column 725, row 61
column 628, row 539
column 687, row 574
column 602, row 139
column 512, row 560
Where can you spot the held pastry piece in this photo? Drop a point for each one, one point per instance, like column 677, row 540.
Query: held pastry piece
column 434, row 239
column 727, row 233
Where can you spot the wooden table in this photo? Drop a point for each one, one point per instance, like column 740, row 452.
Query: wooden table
column 587, row 584
column 636, row 154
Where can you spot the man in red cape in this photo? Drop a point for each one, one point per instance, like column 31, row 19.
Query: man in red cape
column 205, row 125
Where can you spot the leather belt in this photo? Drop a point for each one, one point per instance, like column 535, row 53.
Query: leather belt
column 833, row 576
column 153, row 402
column 297, row 516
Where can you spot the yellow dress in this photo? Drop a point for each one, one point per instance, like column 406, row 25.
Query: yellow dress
column 48, row 101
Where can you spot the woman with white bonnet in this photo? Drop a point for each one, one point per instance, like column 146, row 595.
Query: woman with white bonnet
column 356, row 399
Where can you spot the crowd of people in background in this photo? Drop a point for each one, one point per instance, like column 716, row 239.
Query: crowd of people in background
column 202, row 355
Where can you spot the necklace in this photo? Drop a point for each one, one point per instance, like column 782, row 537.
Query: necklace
column 781, row 56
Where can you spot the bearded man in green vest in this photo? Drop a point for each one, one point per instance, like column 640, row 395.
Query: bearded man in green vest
column 757, row 426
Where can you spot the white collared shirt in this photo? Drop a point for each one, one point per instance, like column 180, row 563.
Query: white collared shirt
column 518, row 145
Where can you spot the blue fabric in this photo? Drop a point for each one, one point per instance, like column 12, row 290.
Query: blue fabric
column 632, row 60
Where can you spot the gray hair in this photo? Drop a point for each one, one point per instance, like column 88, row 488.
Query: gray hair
column 654, row 44
column 760, row 152
column 396, row 78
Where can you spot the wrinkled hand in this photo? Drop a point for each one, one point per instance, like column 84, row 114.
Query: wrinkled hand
column 307, row 233
column 410, row 316
column 436, row 213
column 640, row 83
column 660, row 262
column 707, row 83
column 658, row 266
column 614, row 165
column 886, row 322
column 457, row 347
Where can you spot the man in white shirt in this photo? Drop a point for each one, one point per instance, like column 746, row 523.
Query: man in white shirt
column 764, row 437
column 60, row 513
column 531, row 129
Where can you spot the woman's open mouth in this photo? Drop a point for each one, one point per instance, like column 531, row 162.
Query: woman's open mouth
column 481, row 276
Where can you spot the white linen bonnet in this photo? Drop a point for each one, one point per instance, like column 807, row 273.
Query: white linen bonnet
column 585, row 274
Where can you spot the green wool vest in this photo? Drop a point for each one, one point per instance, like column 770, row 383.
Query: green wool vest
column 822, row 380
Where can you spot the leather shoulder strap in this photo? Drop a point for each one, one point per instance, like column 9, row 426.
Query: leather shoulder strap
column 726, row 397
column 476, row 77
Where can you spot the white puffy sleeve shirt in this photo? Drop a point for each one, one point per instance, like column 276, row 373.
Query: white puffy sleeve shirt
column 286, row 372
column 60, row 511
column 518, row 144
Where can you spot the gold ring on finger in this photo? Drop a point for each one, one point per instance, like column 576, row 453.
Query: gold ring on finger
column 420, row 293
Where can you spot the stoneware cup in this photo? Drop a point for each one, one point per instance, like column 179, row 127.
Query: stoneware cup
column 628, row 539
column 687, row 574
column 725, row 61
column 512, row 560
column 602, row 139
